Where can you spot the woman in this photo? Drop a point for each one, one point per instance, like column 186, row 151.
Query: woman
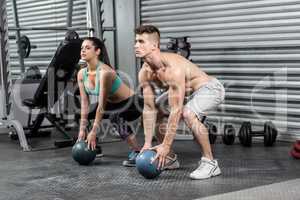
column 100, row 80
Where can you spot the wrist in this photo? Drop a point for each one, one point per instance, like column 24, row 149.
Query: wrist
column 148, row 144
column 94, row 129
column 82, row 130
column 166, row 145
column 92, row 132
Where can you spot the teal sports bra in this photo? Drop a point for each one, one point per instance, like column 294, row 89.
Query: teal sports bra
column 115, row 86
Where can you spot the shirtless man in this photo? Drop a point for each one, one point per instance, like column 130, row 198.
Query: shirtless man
column 181, row 77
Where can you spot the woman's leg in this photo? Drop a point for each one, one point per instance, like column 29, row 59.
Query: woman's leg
column 132, row 142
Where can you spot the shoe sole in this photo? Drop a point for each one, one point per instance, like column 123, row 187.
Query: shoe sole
column 177, row 166
column 99, row 155
column 127, row 164
column 202, row 178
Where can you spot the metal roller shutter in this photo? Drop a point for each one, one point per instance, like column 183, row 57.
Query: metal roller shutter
column 50, row 13
column 253, row 47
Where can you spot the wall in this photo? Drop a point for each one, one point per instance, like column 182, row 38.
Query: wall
column 125, row 23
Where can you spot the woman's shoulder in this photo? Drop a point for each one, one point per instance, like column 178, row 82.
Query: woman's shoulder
column 80, row 73
column 106, row 69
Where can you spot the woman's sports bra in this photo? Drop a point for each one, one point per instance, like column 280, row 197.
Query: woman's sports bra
column 95, row 91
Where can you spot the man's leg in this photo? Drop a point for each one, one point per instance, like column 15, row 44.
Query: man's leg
column 204, row 99
column 208, row 167
column 200, row 132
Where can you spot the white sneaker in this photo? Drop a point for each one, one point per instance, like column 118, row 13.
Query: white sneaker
column 207, row 168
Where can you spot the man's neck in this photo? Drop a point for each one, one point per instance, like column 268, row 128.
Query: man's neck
column 154, row 60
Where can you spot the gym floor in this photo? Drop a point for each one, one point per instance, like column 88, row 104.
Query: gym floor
column 257, row 172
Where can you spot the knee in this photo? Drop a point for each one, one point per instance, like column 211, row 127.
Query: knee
column 124, row 131
column 188, row 115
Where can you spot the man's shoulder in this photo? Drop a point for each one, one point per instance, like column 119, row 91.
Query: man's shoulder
column 173, row 59
column 170, row 55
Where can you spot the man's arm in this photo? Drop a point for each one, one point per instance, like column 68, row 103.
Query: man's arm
column 176, row 98
column 149, row 111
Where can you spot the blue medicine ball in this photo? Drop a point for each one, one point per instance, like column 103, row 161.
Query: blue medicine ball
column 82, row 154
column 145, row 167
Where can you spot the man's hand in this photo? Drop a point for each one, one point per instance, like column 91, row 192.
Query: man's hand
column 161, row 154
column 91, row 140
column 145, row 147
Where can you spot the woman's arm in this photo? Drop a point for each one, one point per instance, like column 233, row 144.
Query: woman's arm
column 106, row 78
column 83, row 108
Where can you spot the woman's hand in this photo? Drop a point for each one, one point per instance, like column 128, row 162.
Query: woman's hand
column 81, row 136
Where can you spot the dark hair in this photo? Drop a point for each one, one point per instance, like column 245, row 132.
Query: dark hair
column 99, row 44
column 147, row 29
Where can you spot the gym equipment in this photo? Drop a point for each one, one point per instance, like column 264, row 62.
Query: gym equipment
column 295, row 151
column 228, row 137
column 295, row 154
column 25, row 46
column 52, row 86
column 82, row 154
column 145, row 166
column 179, row 45
column 33, row 73
column 7, row 122
column 297, row 145
column 269, row 133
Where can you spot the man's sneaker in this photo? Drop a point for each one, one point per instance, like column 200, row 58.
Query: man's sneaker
column 172, row 163
column 207, row 168
column 130, row 162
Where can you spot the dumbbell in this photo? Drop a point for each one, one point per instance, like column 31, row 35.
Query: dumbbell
column 228, row 136
column 295, row 151
column 269, row 133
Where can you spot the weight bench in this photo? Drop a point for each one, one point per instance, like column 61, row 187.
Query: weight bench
column 52, row 85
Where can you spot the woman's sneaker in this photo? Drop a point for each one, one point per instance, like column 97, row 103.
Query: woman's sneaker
column 130, row 162
column 207, row 168
column 99, row 152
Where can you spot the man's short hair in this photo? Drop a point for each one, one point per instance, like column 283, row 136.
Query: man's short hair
column 151, row 30
column 147, row 29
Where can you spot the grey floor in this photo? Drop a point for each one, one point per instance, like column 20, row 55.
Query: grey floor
column 53, row 175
